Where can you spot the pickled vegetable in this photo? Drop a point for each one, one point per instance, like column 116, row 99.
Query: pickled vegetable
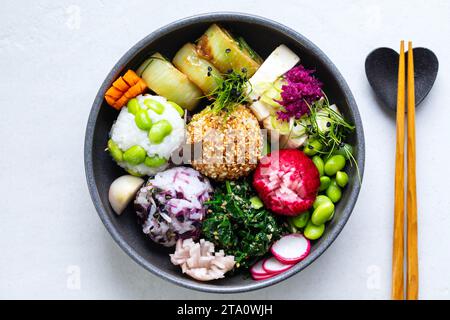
column 225, row 53
column 167, row 81
column 198, row 70
column 124, row 89
column 273, row 94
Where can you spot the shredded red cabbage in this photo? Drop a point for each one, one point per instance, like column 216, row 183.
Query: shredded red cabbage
column 302, row 88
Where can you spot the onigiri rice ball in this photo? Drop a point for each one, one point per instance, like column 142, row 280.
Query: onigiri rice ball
column 171, row 205
column 125, row 135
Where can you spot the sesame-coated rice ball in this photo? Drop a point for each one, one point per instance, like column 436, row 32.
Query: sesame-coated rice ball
column 231, row 144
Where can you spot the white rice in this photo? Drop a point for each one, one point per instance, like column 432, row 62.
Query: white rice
column 126, row 134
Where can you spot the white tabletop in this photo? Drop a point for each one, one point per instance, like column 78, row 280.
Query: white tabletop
column 53, row 58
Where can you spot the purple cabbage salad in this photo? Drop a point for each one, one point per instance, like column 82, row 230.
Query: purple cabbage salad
column 300, row 89
column 171, row 205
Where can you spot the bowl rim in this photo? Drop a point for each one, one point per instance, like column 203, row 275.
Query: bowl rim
column 130, row 54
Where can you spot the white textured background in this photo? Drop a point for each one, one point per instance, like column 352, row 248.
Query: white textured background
column 54, row 56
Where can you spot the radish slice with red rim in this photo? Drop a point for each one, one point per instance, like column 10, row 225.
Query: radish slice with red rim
column 273, row 266
column 291, row 248
column 257, row 268
column 267, row 276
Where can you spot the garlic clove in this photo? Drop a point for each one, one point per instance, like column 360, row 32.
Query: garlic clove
column 122, row 191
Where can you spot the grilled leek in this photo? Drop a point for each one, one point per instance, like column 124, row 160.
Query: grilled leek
column 198, row 70
column 167, row 81
column 226, row 53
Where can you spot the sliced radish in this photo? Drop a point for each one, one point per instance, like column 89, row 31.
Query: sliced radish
column 291, row 248
column 257, row 268
column 257, row 278
column 273, row 266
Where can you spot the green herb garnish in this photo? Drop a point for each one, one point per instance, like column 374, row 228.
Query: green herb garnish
column 337, row 127
column 234, row 224
column 232, row 90
column 335, row 133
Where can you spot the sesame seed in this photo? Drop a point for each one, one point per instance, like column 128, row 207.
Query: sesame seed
column 233, row 162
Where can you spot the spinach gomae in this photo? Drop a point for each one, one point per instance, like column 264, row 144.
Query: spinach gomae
column 234, row 225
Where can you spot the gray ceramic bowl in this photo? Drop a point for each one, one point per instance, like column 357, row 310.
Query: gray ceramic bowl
column 263, row 35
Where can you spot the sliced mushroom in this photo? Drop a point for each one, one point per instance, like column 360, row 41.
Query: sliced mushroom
column 199, row 261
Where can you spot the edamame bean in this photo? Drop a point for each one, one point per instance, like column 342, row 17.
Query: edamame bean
column 320, row 199
column 178, row 108
column 155, row 136
column 154, row 105
column 159, row 131
column 322, row 213
column 115, row 151
column 324, row 183
column 134, row 173
column 333, row 182
column 143, row 120
column 334, row 164
column 133, row 106
column 134, row 155
column 256, row 203
column 341, row 178
column 312, row 147
column 334, row 192
column 331, row 217
column 154, row 161
column 313, row 232
column 301, row 220
column 345, row 150
column 319, row 164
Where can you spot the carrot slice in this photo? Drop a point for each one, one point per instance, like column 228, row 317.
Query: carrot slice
column 135, row 90
column 132, row 92
column 121, row 102
column 114, row 93
column 124, row 89
column 129, row 94
column 110, row 100
column 121, row 85
column 116, row 106
column 142, row 85
column 131, row 78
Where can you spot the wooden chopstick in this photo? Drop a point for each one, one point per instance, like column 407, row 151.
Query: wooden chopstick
column 399, row 198
column 412, row 284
